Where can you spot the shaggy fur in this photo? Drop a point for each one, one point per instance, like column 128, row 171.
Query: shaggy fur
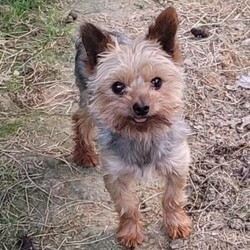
column 132, row 146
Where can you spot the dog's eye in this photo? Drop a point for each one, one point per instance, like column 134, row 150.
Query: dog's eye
column 157, row 82
column 118, row 88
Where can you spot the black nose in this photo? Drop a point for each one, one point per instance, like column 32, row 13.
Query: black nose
column 140, row 109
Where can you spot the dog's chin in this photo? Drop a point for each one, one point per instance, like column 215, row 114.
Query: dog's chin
column 134, row 126
column 147, row 121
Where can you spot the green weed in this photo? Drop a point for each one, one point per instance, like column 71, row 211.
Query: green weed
column 9, row 128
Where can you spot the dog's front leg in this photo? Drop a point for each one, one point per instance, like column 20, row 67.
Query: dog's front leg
column 129, row 231
column 84, row 153
column 176, row 221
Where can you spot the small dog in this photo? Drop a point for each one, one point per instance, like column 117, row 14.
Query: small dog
column 131, row 102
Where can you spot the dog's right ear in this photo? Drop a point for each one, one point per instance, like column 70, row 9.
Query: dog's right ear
column 94, row 42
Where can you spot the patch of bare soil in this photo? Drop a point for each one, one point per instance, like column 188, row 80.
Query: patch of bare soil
column 72, row 210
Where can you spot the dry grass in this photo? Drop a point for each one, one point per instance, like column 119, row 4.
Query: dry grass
column 65, row 207
column 34, row 38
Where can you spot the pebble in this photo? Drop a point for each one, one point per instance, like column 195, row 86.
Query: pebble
column 177, row 244
column 246, row 42
column 243, row 81
column 236, row 224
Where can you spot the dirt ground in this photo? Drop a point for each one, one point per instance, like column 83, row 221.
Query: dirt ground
column 63, row 206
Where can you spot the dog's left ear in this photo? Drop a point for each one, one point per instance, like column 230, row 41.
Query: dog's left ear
column 164, row 31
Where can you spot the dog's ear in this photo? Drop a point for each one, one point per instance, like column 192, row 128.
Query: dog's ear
column 164, row 31
column 94, row 42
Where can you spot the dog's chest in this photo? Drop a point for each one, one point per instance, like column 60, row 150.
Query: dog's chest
column 143, row 152
column 135, row 152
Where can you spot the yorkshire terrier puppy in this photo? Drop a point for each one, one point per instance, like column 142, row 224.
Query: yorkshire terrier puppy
column 131, row 103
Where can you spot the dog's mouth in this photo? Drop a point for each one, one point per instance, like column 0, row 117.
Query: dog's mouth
column 140, row 119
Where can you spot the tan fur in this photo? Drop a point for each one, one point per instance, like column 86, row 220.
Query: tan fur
column 129, row 231
column 176, row 222
column 135, row 65
column 84, row 153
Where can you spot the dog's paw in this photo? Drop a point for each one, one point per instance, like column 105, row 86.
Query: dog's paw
column 130, row 234
column 85, row 159
column 178, row 225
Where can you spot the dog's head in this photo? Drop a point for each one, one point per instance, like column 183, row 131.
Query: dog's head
column 135, row 88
